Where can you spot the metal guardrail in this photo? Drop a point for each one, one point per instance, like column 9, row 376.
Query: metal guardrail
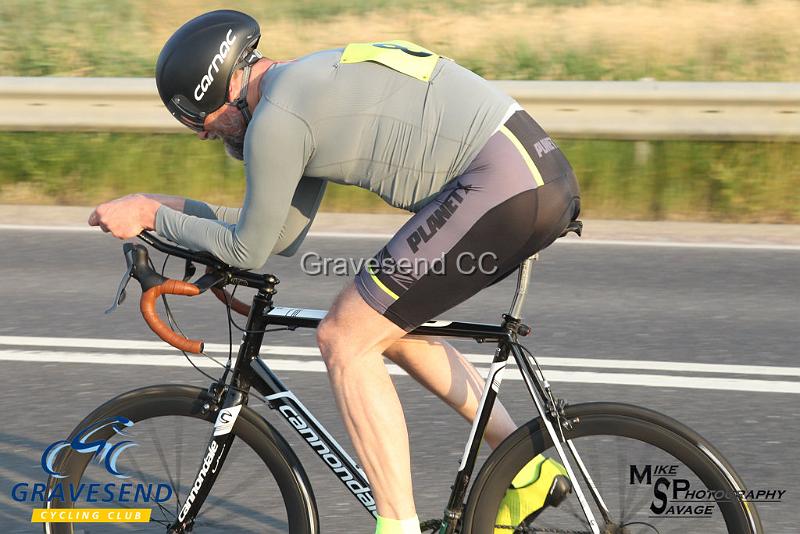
column 599, row 110
column 663, row 110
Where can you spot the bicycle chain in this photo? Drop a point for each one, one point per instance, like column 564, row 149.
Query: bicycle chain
column 433, row 525
column 535, row 530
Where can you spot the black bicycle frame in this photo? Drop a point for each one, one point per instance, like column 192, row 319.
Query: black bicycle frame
column 250, row 370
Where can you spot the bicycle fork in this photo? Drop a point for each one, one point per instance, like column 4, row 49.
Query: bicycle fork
column 218, row 446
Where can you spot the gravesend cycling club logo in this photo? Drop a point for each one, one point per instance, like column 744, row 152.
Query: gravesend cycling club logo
column 94, row 441
column 675, row 495
column 85, row 442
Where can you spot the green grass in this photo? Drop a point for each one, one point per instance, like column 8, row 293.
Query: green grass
column 313, row 9
column 681, row 180
column 316, row 9
column 744, row 182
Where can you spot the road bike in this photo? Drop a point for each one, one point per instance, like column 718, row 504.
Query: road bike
column 231, row 470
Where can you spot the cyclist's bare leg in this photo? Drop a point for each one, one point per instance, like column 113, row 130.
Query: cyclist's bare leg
column 352, row 338
column 444, row 371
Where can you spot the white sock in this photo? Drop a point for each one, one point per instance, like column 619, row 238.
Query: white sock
column 397, row 526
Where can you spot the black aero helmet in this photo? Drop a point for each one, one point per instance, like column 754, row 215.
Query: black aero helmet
column 196, row 64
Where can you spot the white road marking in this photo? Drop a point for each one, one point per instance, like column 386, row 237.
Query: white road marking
column 382, row 236
column 681, row 244
column 656, row 365
column 285, row 350
column 612, row 242
column 49, row 228
column 127, row 344
column 317, row 366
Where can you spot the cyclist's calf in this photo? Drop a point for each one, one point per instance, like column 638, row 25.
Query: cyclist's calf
column 351, row 338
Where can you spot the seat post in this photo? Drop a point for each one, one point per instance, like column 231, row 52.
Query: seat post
column 523, row 277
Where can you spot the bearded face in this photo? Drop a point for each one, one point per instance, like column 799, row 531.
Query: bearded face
column 234, row 145
column 228, row 124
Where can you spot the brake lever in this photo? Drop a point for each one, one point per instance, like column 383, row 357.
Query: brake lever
column 119, row 297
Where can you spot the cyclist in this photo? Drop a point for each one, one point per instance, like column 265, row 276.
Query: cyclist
column 487, row 187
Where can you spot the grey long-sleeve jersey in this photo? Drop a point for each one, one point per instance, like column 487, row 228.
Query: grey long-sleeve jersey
column 362, row 124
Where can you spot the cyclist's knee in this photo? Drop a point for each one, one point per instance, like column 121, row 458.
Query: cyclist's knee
column 336, row 346
column 352, row 329
column 344, row 340
column 328, row 337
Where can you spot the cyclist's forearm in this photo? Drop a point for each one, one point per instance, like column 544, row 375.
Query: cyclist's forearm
column 197, row 208
column 245, row 246
column 174, row 202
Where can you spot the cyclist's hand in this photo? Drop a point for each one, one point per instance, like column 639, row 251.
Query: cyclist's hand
column 126, row 217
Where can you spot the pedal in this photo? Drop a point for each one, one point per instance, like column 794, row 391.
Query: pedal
column 559, row 491
column 431, row 525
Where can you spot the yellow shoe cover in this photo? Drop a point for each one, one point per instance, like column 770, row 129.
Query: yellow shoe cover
column 528, row 492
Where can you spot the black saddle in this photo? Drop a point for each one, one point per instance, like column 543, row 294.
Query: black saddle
column 574, row 226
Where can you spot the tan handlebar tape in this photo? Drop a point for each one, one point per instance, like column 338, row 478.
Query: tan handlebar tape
column 147, row 305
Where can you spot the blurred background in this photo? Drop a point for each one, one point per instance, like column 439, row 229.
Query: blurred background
column 688, row 40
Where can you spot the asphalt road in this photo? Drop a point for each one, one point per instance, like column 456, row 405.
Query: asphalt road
column 653, row 304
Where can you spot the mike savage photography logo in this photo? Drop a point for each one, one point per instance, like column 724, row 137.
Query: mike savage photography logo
column 678, row 495
column 94, row 441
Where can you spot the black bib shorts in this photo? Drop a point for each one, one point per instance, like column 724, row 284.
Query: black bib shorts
column 515, row 198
